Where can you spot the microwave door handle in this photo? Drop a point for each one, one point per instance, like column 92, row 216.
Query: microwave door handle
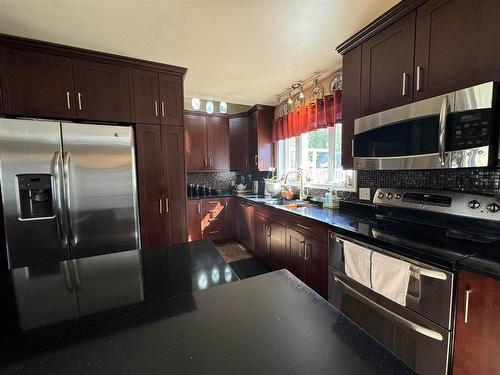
column 407, row 323
column 442, row 131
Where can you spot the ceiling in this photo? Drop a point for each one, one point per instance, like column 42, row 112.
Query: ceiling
column 239, row 51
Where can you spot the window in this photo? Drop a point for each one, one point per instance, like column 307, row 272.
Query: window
column 317, row 153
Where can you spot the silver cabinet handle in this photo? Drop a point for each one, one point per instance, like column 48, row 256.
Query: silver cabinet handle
column 213, row 232
column 352, row 148
column 162, row 109
column 467, row 300
column 58, row 200
column 302, row 226
column 166, row 205
column 156, row 108
column 308, row 246
column 405, row 84
column 68, row 101
column 210, row 161
column 205, row 161
column 67, row 278
column 80, row 101
column 442, row 131
column 246, row 160
column 161, row 206
column 388, row 313
column 66, row 178
column 419, row 78
column 256, row 159
column 213, row 202
column 199, row 208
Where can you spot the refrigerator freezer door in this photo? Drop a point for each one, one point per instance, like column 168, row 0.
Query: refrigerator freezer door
column 44, row 296
column 30, row 167
column 100, row 189
column 108, row 281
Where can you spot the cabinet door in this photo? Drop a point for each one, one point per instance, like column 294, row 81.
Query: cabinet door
column 476, row 334
column 213, row 219
column 278, row 245
column 149, row 168
column 262, row 237
column 296, row 245
column 193, row 213
column 247, row 226
column 229, row 222
column 195, row 128
column 351, row 101
column 387, row 66
column 316, row 260
column 102, row 91
column 171, row 99
column 265, row 148
column 238, row 143
column 446, row 39
column 146, row 97
column 252, row 141
column 37, row 84
column 218, row 143
column 174, row 183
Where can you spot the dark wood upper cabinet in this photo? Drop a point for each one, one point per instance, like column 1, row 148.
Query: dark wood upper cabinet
column 447, row 49
column 195, row 129
column 351, row 102
column 193, row 213
column 102, row 91
column 149, row 167
column 238, row 141
column 476, row 334
column 146, row 96
column 174, row 183
column 218, row 143
column 37, row 84
column 387, row 67
column 171, row 99
column 260, row 127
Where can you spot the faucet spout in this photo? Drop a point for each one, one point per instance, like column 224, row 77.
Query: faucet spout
column 302, row 196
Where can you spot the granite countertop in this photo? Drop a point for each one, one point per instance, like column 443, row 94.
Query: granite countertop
column 269, row 324
column 426, row 243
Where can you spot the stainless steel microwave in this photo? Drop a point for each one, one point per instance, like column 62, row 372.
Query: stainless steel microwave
column 456, row 130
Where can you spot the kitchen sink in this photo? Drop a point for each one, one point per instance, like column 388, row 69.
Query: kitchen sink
column 290, row 203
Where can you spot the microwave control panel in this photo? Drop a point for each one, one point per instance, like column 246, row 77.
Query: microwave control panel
column 471, row 129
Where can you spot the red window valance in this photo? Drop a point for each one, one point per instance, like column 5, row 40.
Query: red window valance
column 321, row 114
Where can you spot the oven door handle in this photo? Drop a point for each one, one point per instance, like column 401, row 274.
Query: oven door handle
column 429, row 273
column 407, row 323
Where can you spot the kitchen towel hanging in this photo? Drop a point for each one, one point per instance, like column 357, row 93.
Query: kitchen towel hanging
column 390, row 277
column 358, row 263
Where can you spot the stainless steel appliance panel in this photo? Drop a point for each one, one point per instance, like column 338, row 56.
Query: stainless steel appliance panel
column 30, row 147
column 44, row 296
column 419, row 342
column 100, row 185
column 108, row 281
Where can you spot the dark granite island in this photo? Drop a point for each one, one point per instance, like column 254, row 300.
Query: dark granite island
column 270, row 324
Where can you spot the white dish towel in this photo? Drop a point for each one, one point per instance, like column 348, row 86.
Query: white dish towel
column 357, row 263
column 390, row 277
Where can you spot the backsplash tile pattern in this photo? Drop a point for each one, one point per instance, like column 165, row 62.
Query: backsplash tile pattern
column 217, row 180
column 472, row 180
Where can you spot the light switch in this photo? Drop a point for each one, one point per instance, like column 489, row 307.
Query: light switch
column 364, row 194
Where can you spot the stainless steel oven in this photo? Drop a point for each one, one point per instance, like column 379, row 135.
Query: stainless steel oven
column 419, row 333
column 456, row 130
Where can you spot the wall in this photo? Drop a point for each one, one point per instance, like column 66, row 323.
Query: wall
column 231, row 107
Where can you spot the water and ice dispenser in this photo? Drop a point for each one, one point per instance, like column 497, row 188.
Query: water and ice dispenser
column 35, row 196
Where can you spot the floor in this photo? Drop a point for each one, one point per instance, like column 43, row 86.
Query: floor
column 242, row 261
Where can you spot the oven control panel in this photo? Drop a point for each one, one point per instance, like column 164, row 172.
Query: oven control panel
column 462, row 204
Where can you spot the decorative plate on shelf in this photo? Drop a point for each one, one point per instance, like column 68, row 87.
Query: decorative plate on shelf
column 297, row 102
column 317, row 92
column 335, row 82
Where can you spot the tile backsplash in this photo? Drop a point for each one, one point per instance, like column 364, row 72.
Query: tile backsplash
column 217, row 180
column 471, row 180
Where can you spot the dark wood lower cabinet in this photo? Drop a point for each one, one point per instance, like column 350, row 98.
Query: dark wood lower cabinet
column 148, row 145
column 246, row 219
column 295, row 245
column 477, row 326
column 162, row 192
column 193, row 213
column 278, row 245
column 262, row 237
column 316, row 265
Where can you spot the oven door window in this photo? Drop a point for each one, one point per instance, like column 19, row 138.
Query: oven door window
column 413, row 137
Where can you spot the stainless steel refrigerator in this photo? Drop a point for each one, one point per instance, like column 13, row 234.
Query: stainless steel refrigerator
column 68, row 193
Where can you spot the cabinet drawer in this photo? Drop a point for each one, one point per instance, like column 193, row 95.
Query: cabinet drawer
column 271, row 213
column 308, row 227
column 214, row 233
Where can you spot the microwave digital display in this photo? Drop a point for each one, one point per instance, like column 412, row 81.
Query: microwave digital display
column 470, row 129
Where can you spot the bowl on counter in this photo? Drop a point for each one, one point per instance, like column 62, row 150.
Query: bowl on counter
column 273, row 189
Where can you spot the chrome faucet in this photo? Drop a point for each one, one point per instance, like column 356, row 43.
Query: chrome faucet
column 302, row 195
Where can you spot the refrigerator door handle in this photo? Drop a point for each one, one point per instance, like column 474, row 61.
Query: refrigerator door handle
column 58, row 200
column 67, row 159
column 67, row 277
